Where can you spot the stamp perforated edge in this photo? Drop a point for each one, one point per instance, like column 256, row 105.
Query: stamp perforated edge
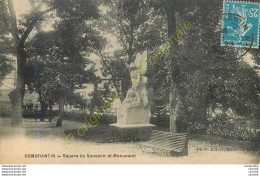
column 258, row 38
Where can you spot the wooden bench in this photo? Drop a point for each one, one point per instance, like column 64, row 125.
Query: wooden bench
column 171, row 144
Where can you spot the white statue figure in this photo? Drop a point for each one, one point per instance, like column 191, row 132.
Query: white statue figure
column 134, row 109
column 136, row 96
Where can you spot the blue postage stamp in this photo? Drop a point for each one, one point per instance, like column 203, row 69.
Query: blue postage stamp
column 240, row 25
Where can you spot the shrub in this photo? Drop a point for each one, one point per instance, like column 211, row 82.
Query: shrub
column 3, row 112
column 80, row 115
column 197, row 128
column 77, row 115
column 232, row 128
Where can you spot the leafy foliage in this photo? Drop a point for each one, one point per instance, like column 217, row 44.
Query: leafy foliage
column 137, row 28
column 222, row 71
column 63, row 54
column 5, row 43
column 206, row 73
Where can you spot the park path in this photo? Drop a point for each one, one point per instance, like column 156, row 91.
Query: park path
column 45, row 139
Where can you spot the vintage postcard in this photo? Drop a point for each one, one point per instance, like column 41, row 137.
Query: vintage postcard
column 129, row 82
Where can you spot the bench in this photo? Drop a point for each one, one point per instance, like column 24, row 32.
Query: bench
column 171, row 144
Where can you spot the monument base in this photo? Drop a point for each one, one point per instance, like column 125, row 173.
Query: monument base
column 132, row 132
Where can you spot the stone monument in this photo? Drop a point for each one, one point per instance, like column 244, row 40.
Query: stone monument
column 133, row 113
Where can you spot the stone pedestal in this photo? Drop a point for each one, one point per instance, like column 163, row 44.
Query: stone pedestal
column 133, row 132
column 131, row 116
column 132, row 124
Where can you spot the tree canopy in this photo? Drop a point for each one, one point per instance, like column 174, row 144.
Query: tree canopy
column 196, row 77
column 6, row 44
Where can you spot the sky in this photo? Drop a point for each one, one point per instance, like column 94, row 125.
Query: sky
column 21, row 6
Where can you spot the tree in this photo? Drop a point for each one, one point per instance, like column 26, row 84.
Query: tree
column 203, row 72
column 72, row 27
column 158, row 85
column 137, row 29
column 58, row 73
column 64, row 54
column 5, row 43
column 20, row 34
column 75, row 11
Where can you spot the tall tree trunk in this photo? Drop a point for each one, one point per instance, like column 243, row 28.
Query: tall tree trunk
column 44, row 107
column 50, row 111
column 178, row 105
column 61, row 101
column 94, row 99
column 178, row 119
column 20, row 86
column 17, row 95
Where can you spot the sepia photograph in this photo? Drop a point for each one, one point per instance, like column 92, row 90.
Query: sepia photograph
column 129, row 82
